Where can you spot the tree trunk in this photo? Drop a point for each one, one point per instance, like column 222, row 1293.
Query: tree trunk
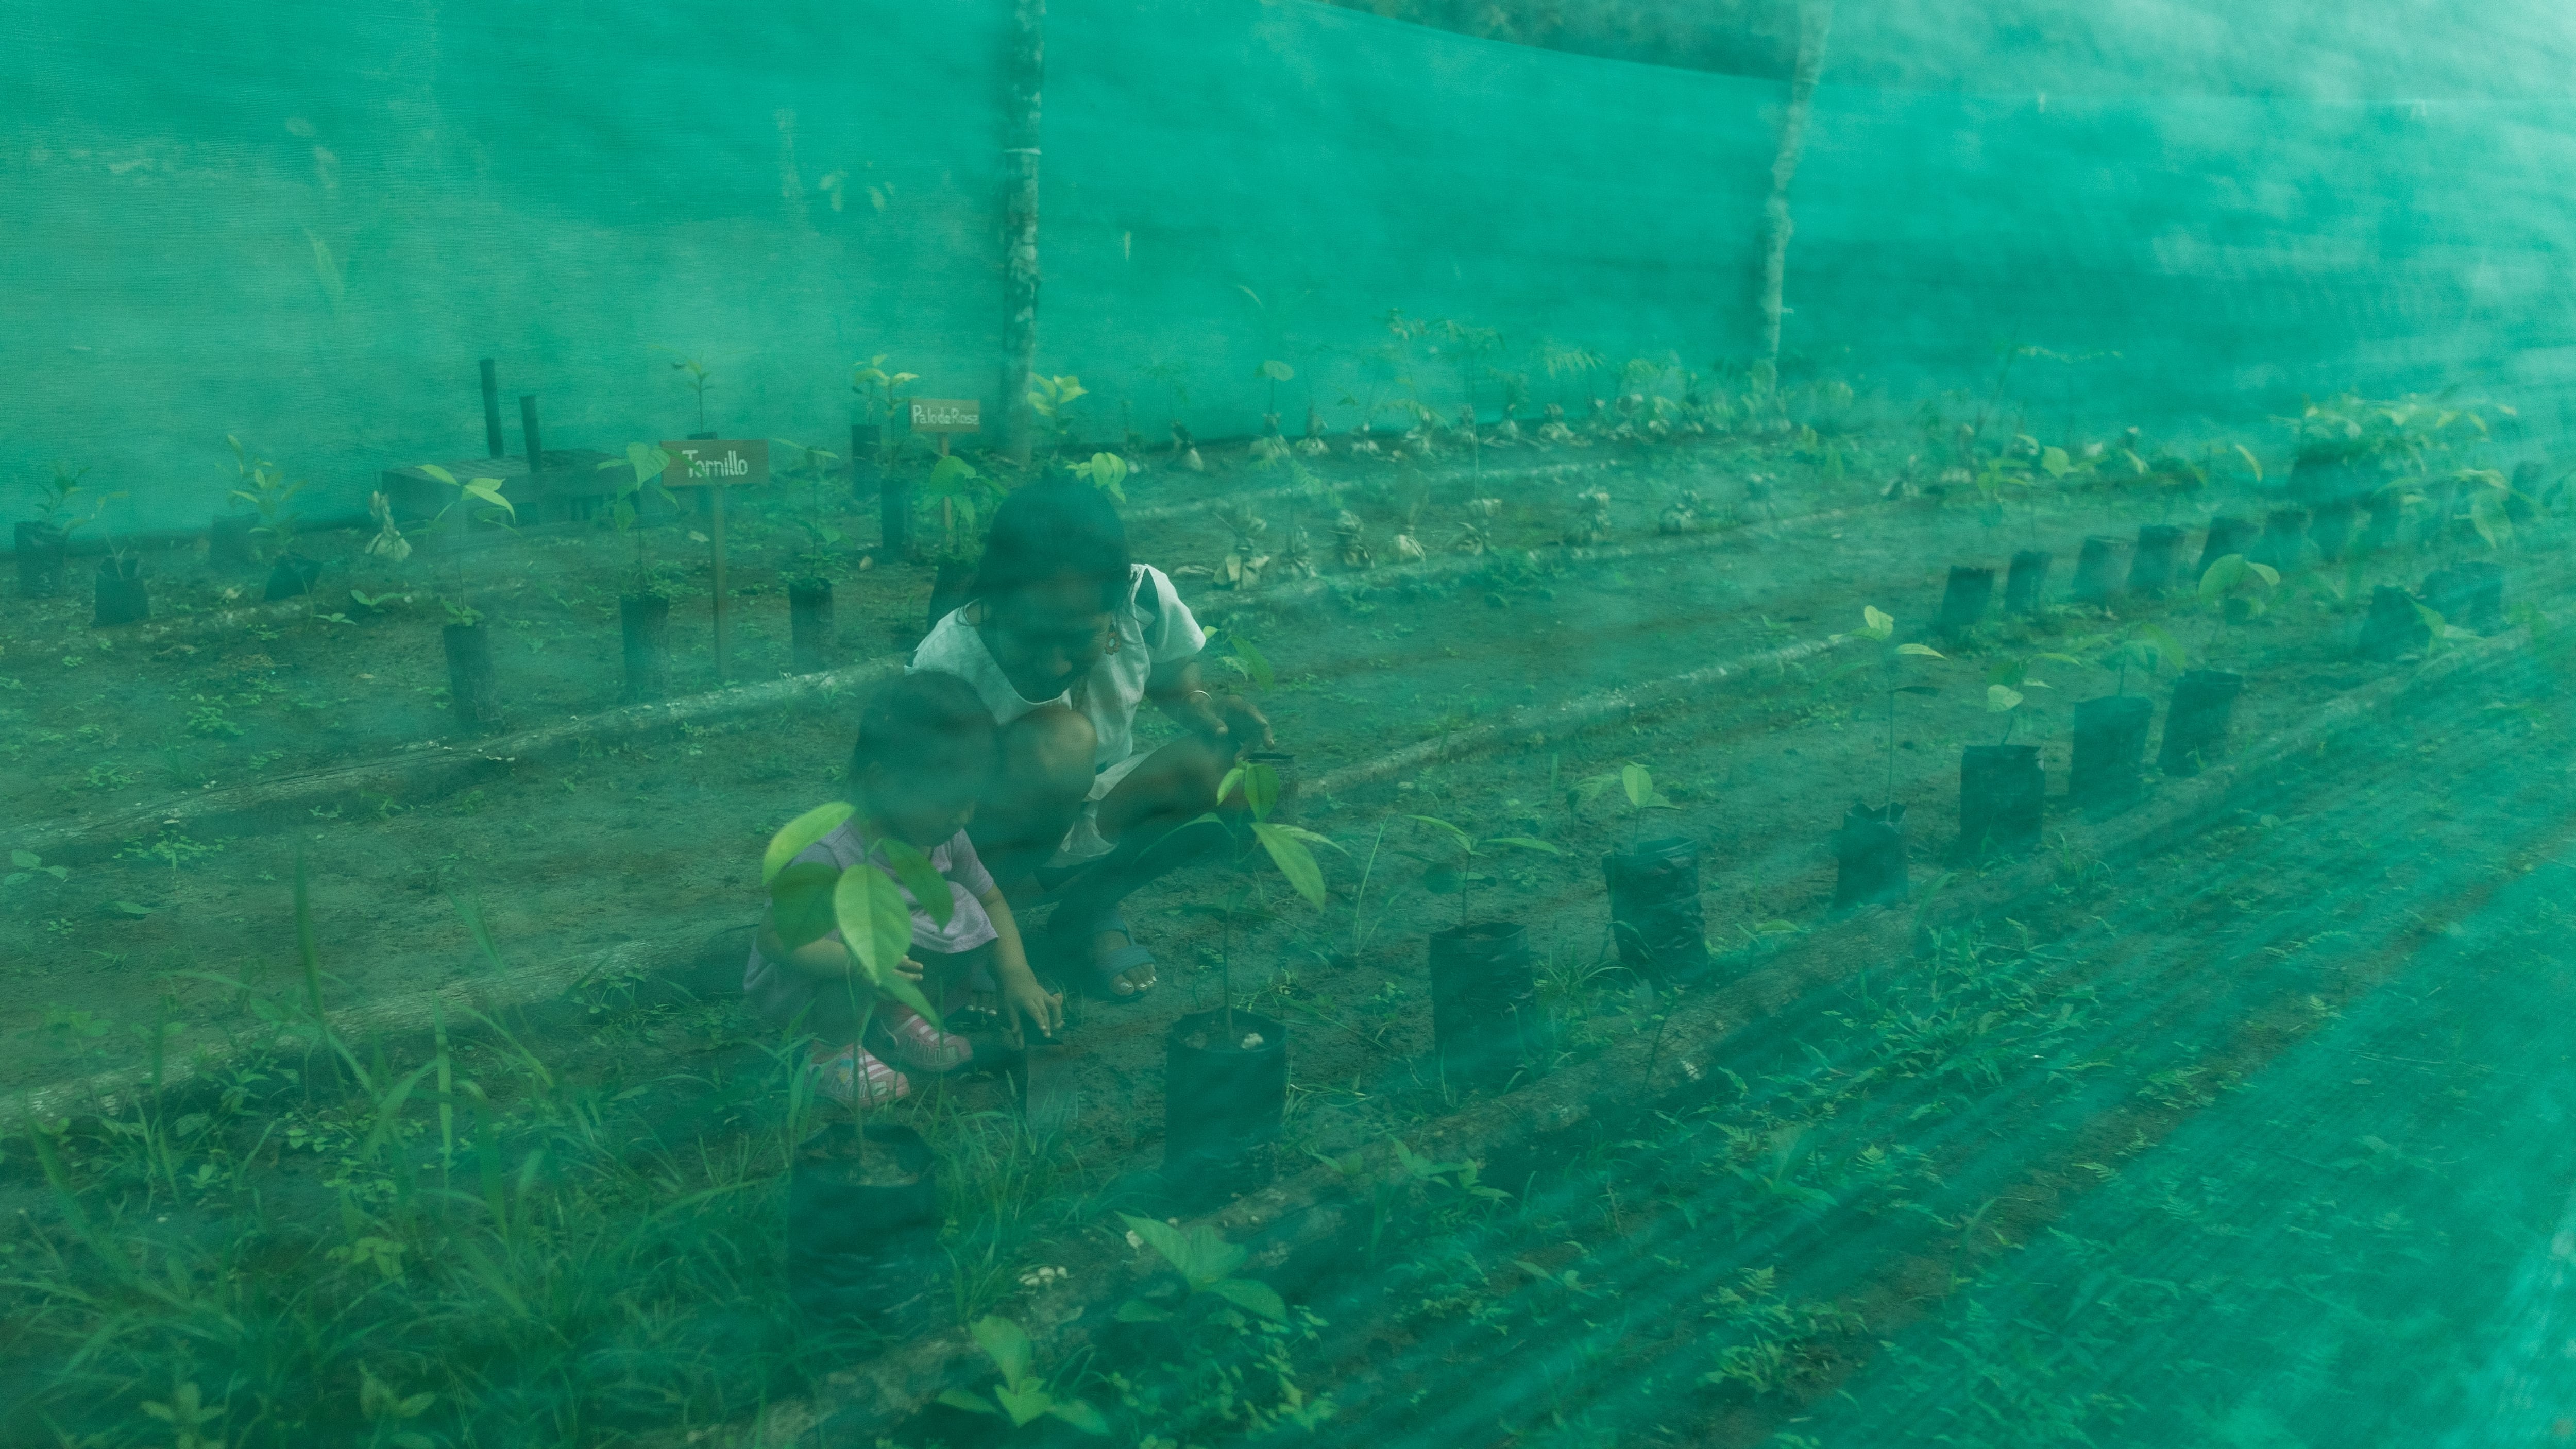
column 1020, row 224
column 1815, row 20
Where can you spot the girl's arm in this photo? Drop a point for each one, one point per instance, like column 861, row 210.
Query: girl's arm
column 1021, row 994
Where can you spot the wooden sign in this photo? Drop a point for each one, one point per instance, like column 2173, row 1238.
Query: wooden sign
column 717, row 463
column 947, row 415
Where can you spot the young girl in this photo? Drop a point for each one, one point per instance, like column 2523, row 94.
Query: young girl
column 924, row 756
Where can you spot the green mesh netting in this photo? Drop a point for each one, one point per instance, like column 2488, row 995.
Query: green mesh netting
column 2000, row 877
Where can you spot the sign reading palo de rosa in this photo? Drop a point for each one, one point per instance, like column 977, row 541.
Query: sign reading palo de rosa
column 717, row 463
column 947, row 415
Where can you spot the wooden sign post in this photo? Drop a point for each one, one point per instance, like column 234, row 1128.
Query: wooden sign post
column 717, row 464
column 945, row 415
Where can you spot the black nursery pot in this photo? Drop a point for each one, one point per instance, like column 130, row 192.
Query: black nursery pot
column 2284, row 544
column 2001, row 791
column 2330, row 528
column 2196, row 722
column 2027, row 581
column 862, row 1236
column 948, row 590
column 2392, row 626
column 1655, row 911
column 472, row 689
column 1222, row 1104
column 2470, row 595
column 121, row 596
column 2098, row 570
column 2226, row 536
column 1963, row 602
column 292, row 578
column 41, row 550
column 894, row 517
column 1484, row 1001
column 2110, row 748
column 1869, row 857
column 644, row 621
column 2152, row 563
column 809, row 625
column 228, row 540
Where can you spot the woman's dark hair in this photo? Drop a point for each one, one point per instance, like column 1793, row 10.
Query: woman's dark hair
column 1051, row 527
column 924, row 724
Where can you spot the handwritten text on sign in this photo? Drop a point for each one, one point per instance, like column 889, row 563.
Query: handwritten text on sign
column 717, row 462
column 947, row 415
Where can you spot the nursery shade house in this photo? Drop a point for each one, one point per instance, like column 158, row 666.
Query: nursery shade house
column 1818, row 723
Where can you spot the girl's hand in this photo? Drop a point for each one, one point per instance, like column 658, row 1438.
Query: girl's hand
column 1023, row 998
column 909, row 970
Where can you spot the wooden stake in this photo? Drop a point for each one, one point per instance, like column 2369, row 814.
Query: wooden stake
column 716, row 533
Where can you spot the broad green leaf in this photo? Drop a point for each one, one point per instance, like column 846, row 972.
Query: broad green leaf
column 1458, row 837
column 2053, row 462
column 1260, row 789
column 1025, row 1404
column 800, row 902
column 1875, row 624
column 950, row 475
column 1226, row 786
column 2251, row 461
column 929, row 888
column 1253, row 660
column 1275, row 370
column 432, row 469
column 489, row 490
column 876, row 925
column 2487, row 515
column 2223, row 576
column 1294, row 860
column 960, row 1399
column 1296, row 832
column 1638, row 783
column 1523, row 842
column 1925, row 651
column 2166, row 644
column 796, row 834
column 1006, row 1344
column 2000, row 698
column 647, row 460
column 1084, row 1418
column 1201, row 1255
column 1253, row 1297
column 25, row 859
column 2268, row 574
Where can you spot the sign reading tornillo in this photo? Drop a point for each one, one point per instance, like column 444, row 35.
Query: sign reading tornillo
column 717, row 463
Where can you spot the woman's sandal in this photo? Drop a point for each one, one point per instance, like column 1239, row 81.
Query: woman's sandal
column 1099, row 978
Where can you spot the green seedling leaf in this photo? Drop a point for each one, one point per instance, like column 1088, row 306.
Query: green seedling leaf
column 25, row 859
column 1275, row 370
column 1006, row 1344
column 1024, row 1404
column 489, row 490
column 801, row 902
column 1925, row 651
column 1874, row 625
column 950, row 476
column 1201, row 1255
column 2250, row 461
column 876, row 925
column 971, row 1403
column 1084, row 1418
column 1226, row 786
column 2054, row 462
column 1523, row 842
column 432, row 469
column 1638, row 783
column 1456, row 836
column 1253, row 660
column 796, row 834
column 929, row 888
column 1252, row 1297
column 2000, row 698
column 1294, row 860
column 1260, row 789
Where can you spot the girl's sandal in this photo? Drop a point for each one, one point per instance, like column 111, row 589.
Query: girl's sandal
column 1099, row 977
column 838, row 1077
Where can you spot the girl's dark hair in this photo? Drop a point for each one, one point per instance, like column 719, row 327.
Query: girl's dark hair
column 1055, row 526
column 924, row 724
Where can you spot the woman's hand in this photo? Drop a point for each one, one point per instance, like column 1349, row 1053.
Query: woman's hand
column 1231, row 721
column 1024, row 1000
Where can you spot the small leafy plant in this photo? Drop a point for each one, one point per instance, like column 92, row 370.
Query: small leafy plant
column 1022, row 1396
column 469, row 491
column 1449, row 867
column 2007, row 681
column 266, row 489
column 698, row 379
column 1636, row 785
column 1879, row 627
column 2238, row 589
column 644, row 463
column 2147, row 648
column 1052, row 398
column 1104, row 471
column 1289, row 848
